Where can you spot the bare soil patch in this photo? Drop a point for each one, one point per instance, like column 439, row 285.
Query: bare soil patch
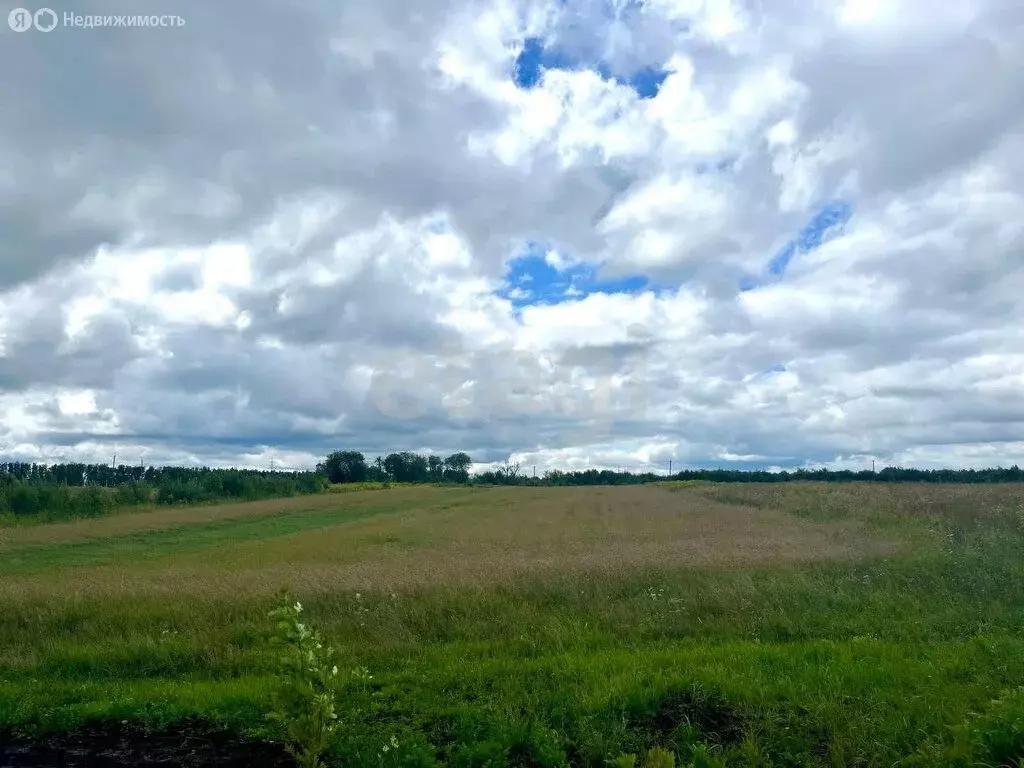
column 190, row 744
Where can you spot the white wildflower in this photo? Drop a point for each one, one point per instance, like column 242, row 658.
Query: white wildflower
column 298, row 607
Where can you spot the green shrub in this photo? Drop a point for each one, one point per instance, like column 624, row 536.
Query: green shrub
column 305, row 701
column 91, row 502
column 23, row 500
column 132, row 494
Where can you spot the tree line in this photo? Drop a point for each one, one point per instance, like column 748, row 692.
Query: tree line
column 1012, row 474
column 511, row 474
column 404, row 467
column 86, row 490
column 352, row 467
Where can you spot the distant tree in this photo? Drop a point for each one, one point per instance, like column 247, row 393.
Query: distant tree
column 435, row 468
column 345, row 467
column 394, row 465
column 376, row 470
column 510, row 469
column 456, row 467
column 416, row 467
column 407, row 467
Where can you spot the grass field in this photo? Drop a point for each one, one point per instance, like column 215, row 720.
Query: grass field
column 766, row 625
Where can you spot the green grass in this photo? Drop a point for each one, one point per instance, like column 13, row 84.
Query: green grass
column 912, row 659
column 168, row 542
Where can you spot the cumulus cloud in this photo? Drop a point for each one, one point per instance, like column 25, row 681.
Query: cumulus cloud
column 274, row 231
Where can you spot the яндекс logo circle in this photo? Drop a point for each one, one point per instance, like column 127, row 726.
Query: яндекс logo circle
column 19, row 19
column 22, row 19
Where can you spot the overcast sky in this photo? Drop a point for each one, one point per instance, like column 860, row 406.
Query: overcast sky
column 578, row 232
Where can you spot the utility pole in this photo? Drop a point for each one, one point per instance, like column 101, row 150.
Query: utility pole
column 534, row 470
column 271, row 464
column 670, row 467
column 872, row 466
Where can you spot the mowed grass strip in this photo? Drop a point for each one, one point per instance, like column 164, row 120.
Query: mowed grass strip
column 143, row 519
column 164, row 541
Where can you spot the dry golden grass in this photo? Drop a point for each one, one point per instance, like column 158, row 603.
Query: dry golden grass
column 966, row 505
column 502, row 535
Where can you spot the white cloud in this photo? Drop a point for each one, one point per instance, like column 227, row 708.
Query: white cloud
column 232, row 257
column 77, row 403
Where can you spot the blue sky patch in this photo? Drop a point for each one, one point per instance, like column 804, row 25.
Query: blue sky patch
column 647, row 82
column 749, row 283
column 536, row 57
column 768, row 372
column 826, row 224
column 531, row 280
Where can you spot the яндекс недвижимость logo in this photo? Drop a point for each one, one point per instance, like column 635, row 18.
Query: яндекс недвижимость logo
column 22, row 19
column 46, row 20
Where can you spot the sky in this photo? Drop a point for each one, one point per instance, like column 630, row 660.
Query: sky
column 568, row 233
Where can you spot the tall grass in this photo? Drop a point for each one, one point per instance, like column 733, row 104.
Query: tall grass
column 911, row 657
